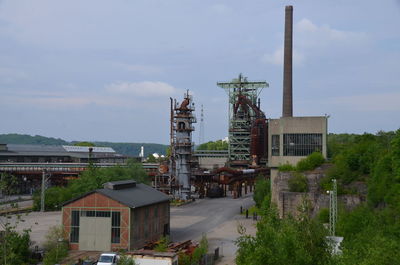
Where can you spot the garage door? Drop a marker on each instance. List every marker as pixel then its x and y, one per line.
pixel 95 233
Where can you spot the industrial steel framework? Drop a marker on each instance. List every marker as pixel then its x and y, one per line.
pixel 182 119
pixel 241 118
pixel 332 208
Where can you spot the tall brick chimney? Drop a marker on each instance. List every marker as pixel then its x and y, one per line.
pixel 287 107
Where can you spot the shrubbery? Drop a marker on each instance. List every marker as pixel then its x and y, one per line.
pixel 298 183
pixel 262 190
pixel 286 168
pixel 311 162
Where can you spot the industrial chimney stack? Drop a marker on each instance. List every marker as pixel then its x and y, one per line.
pixel 287 110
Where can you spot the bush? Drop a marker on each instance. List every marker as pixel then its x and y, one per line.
pixel 56 250
pixel 162 245
pixel 298 183
pixel 262 189
pixel 286 168
pixel 323 215
pixel 55 255
pixel 310 162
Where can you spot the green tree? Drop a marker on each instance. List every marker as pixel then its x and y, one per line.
pixel 262 190
pixel 284 241
pixel 84 143
pixel 214 145
pixel 89 180
pixel 15 247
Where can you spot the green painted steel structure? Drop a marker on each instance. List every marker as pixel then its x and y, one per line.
pixel 241 119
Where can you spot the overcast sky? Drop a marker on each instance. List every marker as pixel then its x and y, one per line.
pixel 105 69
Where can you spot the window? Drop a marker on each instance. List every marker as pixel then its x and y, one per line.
pixel 74 236
pixel 95 213
pixel 301 144
pixel 115 227
pixel 102 214
pixel 275 146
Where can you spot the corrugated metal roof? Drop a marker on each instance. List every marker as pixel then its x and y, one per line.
pixel 34 148
pixel 85 149
pixel 135 197
pixel 54 150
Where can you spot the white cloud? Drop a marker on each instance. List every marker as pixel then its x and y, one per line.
pixel 309 39
pixel 309 35
pixel 143 89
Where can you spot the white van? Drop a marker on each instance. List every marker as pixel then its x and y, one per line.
pixel 108 259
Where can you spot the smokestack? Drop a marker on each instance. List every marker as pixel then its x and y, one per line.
pixel 287 108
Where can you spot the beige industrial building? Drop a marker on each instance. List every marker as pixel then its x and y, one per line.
pixel 293 138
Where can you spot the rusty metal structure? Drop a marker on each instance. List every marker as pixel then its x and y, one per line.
pixel 182 119
pixel 247 122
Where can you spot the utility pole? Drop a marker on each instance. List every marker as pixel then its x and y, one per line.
pixel 42 197
pixel 333 208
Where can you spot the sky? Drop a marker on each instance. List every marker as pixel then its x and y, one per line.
pixel 102 70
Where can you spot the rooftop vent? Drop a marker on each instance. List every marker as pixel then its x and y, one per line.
pixel 120 185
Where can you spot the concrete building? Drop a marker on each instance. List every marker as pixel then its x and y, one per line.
pixel 122 215
pixel 293 138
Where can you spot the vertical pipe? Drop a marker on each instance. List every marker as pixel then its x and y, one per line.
pixel 43 191
pixel 287 108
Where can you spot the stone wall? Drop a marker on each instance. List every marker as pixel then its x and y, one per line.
pixel 289 203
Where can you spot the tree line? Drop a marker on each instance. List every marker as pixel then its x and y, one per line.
pixel 371 231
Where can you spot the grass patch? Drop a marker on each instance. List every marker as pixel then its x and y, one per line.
pixel 253 209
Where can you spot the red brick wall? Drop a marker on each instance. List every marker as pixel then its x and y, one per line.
pixel 99 202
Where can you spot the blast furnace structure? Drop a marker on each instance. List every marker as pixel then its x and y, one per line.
pixel 182 119
pixel 247 122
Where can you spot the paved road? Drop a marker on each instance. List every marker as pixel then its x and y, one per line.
pixel 192 220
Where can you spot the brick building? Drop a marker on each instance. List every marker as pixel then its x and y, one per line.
pixel 122 215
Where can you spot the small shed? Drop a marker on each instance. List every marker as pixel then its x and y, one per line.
pixel 122 215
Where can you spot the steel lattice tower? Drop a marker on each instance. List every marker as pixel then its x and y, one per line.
pixel 333 208
pixel 182 145
pixel 240 120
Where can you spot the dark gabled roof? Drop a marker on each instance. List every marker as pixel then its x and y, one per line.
pixel 135 197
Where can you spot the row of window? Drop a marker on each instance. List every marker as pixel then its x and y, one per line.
pixel 297 144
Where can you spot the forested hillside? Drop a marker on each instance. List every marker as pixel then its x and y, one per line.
pixel 371 231
pixel 13 138
pixel 130 149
